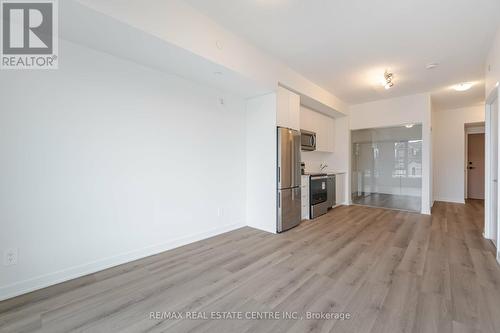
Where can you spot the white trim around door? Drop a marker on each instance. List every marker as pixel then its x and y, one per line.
pixel 492 204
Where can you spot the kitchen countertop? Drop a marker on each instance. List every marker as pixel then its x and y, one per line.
pixel 325 172
pixel 335 172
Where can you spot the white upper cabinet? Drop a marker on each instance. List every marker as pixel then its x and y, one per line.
pixel 322 125
pixel 294 111
pixel 288 109
pixel 282 115
pixel 291 114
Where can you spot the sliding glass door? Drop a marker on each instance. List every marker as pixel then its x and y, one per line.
pixel 387 167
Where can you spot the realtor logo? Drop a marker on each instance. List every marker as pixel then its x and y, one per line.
pixel 29 34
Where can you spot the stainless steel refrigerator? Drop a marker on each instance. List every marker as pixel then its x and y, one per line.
pixel 289 174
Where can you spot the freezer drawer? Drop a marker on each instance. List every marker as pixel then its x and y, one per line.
pixel 289 208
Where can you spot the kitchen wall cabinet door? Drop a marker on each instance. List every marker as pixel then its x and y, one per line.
pixel 330 132
pixel 288 109
pixel 321 133
pixel 282 113
pixel 294 111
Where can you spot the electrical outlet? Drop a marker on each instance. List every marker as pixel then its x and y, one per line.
pixel 10 257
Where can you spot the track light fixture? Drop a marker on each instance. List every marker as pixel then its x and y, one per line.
pixel 388 77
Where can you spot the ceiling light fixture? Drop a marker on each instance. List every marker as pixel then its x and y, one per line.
pixel 387 82
pixel 463 86
pixel 432 65
pixel 409 125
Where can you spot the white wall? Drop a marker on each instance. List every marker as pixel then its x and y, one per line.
pixel 104 161
pixel 433 152
pixel 449 151
pixel 390 112
pixel 493 65
pixel 342 153
pixel 261 148
pixel 400 111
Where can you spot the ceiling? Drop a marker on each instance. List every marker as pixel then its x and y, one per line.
pixel 345 46
pixel 153 52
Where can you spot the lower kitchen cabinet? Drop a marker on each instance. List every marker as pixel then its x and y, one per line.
pixel 340 190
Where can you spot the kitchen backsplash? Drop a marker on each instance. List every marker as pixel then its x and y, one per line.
pixel 314 159
pixel 313 166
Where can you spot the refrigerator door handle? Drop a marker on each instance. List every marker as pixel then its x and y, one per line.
pixel 279 200
pixel 296 158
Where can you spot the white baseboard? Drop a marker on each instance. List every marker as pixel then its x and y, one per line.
pixel 39 282
pixel 425 212
pixel 452 200
pixel 265 228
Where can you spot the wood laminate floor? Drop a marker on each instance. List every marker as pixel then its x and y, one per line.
pixel 392 271
pixel 392 201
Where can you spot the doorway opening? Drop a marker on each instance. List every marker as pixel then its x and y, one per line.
pixel 475 161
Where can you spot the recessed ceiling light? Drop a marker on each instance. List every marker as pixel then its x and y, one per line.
pixel 432 65
pixel 409 125
pixel 463 86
